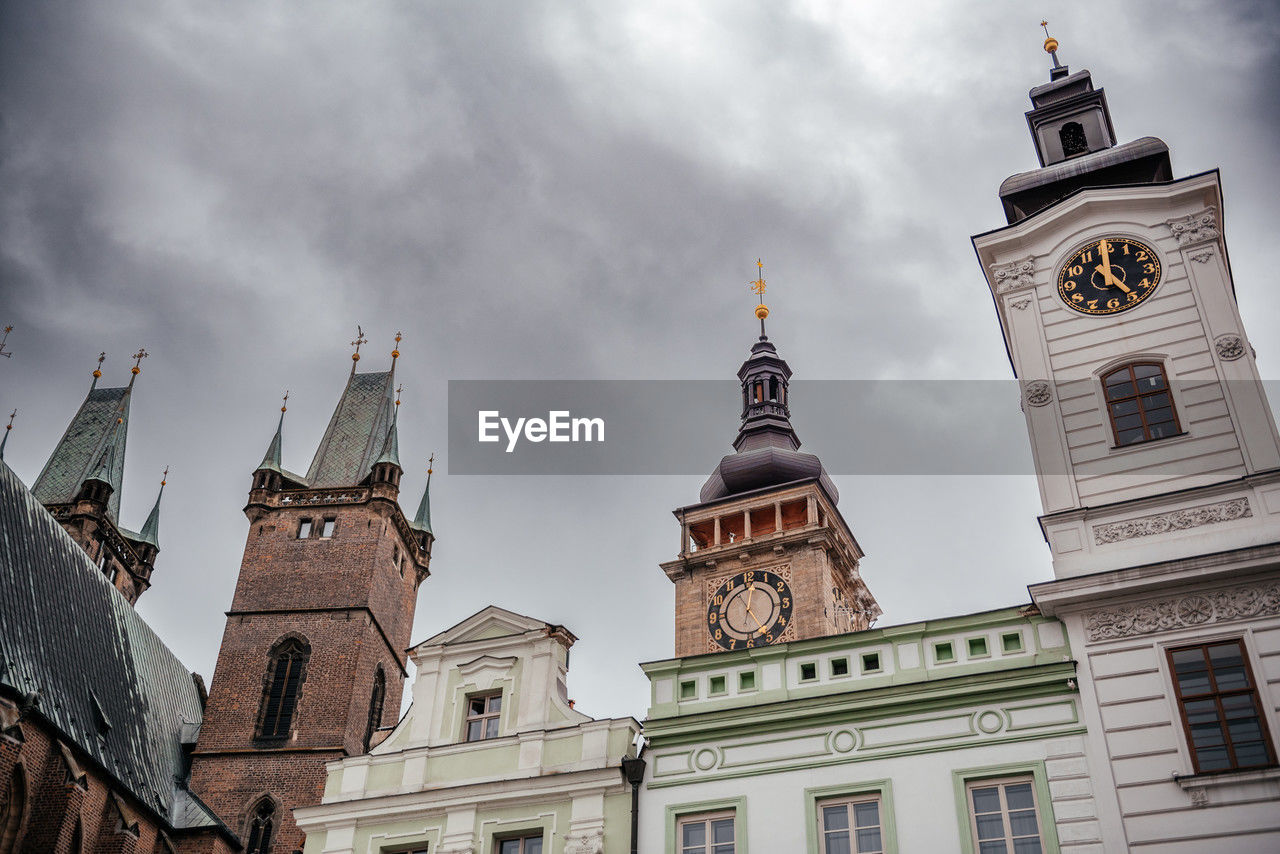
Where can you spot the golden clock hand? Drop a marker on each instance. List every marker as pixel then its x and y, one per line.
pixel 1105 267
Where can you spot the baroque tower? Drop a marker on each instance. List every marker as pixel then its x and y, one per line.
pixel 1158 464
pixel 765 555
pixel 80 486
pixel 313 656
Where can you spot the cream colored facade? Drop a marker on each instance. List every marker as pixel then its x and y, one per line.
pixel 548 771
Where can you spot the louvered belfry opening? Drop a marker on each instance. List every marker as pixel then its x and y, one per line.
pixel 288 669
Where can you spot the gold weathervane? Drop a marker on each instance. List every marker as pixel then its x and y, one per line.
pixel 395 352
pixel 1050 43
pixel 137 361
pixel 757 287
pixel 360 339
pixel 164 478
pixel 12 415
pixel 398 390
pixel 97 372
pixel 284 401
pixel 431 461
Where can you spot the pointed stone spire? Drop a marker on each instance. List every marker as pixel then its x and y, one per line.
pixel 8 427
pixel 271 459
pixel 422 520
pixel 391 445
pixel 357 430
pixel 150 533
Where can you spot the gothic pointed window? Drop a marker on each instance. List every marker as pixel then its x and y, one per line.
pixel 262 822
pixel 285 673
pixel 376 701
pixel 1073 140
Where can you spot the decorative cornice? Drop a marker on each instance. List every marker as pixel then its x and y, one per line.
pixel 1195 228
pixel 1178 612
pixel 1174 520
pixel 1037 393
pixel 1230 347
pixel 1015 275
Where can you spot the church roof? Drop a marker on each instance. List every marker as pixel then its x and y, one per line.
pixel 92 434
pixel 105 681
pixel 356 432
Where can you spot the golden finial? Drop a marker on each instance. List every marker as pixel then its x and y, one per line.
pixel 97 372
pixel 431 461
pixel 1050 43
pixel 395 353
pixel 398 390
pixel 757 287
pixel 3 351
pixel 12 415
pixel 360 339
pixel 284 402
pixel 137 361
pixel 164 478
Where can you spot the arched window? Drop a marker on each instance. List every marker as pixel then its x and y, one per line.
pixel 1139 403
pixel 284 682
pixel 1073 140
pixel 376 701
pixel 11 811
pixel 262 821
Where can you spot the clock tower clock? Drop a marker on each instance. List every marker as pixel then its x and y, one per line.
pixel 765 556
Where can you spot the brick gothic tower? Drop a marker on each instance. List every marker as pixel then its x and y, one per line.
pixel 765 556
pixel 80 487
pixel 313 655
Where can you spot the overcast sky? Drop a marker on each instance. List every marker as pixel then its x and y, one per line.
pixel 554 190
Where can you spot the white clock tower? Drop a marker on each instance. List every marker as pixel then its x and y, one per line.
pixel 1159 470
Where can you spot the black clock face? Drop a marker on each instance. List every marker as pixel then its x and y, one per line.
pixel 1108 276
pixel 750 609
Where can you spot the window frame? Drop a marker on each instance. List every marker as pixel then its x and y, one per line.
pixel 848 802
pixel 706 818
pixel 1175 695
pixel 1000 784
pixel 299 651
pixel 328 527
pixel 676 814
pixel 306 527
pixel 522 837
pixel 1130 363
pixel 1042 798
pixel 496 716
pixel 881 790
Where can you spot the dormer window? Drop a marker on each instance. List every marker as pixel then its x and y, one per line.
pixel 1140 404
pixel 483 711
pixel 1073 139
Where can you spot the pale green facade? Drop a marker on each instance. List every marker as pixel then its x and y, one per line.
pixel 546 771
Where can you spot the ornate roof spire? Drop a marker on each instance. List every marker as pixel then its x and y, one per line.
pixel 360 339
pixel 271 459
pixel 97 372
pixel 391 444
pixel 1051 48
pixel 422 520
pixel 757 287
pixel 151 528
pixel 7 428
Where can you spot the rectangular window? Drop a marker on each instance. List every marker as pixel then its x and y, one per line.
pixel 716 686
pixel 839 667
pixel 1011 642
pixel 304 529
pixel 871 662
pixel 483 711
pixel 747 680
pixel 977 647
pixel 851 826
pixel 327 530
pixel 707 834
pixel 943 652
pixel 523 845
pixel 688 690
pixel 808 671
pixel 1002 816
pixel 1219 705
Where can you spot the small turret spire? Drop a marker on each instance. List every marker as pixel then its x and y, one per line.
pixel 271 459
pixel 391 444
pixel 422 520
pixel 150 533
pixel 7 428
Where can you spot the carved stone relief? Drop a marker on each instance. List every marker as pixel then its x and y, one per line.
pixel 1014 275
pixel 585 843
pixel 1203 256
pixel 1021 304
pixel 1229 347
pixel 1038 393
pixel 1178 612
pixel 1175 520
pixel 1196 228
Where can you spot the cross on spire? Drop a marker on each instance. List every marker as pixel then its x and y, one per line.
pixel 395 352
pixel 757 287
pixel 137 360
pixel 431 461
pixel 399 389
pixel 284 401
pixel 3 351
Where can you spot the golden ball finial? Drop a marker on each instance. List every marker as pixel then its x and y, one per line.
pixel 97 374
pixel 355 357
pixel 135 370
pixel 395 354
pixel 1050 44
pixel 762 311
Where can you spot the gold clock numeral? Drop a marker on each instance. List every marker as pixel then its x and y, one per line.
pixel 1069 285
pixel 1113 303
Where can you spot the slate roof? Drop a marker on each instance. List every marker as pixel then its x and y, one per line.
pixel 69 635
pixel 356 432
pixel 81 449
